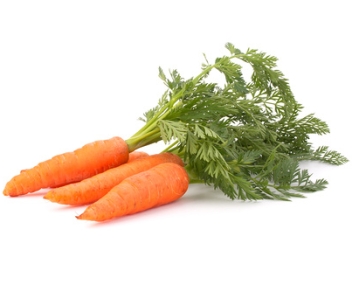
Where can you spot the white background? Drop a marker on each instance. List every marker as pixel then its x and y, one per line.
pixel 72 72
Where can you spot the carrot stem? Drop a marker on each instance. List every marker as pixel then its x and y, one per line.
pixel 136 142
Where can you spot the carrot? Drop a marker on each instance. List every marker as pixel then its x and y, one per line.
pixel 136 155
pixel 89 160
pixel 157 186
pixel 93 188
pixel 132 156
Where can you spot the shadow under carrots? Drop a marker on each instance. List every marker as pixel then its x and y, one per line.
pixel 200 193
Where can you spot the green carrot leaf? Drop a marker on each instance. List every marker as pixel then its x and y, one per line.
pixel 244 137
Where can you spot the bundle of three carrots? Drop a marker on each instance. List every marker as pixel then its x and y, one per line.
pixel 107 176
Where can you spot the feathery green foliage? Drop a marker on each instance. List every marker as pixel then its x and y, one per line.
pixel 245 138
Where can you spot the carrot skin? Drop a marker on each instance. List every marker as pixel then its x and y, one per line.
pixel 136 155
pixel 89 160
pixel 157 186
pixel 92 189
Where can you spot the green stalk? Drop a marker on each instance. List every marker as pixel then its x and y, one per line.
pixel 144 139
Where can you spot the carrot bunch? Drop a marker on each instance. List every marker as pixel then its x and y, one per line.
pixel 244 138
pixel 132 183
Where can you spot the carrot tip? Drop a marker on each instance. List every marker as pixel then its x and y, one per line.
pixel 81 217
pixel 48 196
pixel 88 215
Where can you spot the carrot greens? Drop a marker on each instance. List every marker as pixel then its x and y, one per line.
pixel 244 138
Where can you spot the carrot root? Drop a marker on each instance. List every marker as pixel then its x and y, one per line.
pixel 89 160
pixel 157 186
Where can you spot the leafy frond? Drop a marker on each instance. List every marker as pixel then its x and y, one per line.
pixel 244 138
pixel 323 154
pixel 170 130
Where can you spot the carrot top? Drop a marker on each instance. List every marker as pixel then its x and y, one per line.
pixel 245 138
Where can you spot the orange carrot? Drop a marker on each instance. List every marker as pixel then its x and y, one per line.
pixel 136 155
pixel 132 156
pixel 157 186
pixel 92 189
pixel 89 160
